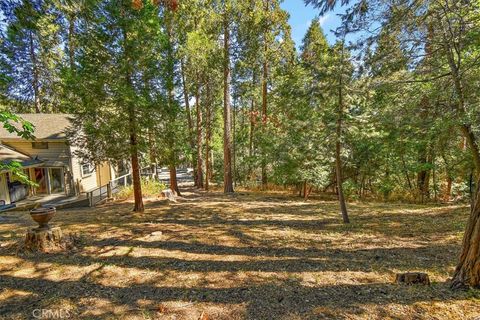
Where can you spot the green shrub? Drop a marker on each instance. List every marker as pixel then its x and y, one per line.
pixel 149 188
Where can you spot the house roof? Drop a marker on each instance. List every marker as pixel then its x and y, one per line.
pixel 8 155
pixel 47 126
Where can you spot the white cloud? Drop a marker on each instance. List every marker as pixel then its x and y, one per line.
pixel 324 19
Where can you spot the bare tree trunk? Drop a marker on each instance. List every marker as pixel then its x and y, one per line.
pixel 170 84
pixel 153 155
pixel 208 138
pixel 227 148
pixel 434 179
pixel 234 145
pixel 407 176
pixel 264 99
pixel 35 81
pixel 338 150
pixel 137 186
pixel 467 272
pixel 207 165
pixel 191 134
pixel 338 169
pixel 473 144
pixel 309 192
pixel 448 191
pixel 173 180
pixel 252 128
pixel 132 127
pixel 199 138
pixel 71 45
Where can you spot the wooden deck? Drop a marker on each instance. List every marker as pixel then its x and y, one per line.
pixel 58 200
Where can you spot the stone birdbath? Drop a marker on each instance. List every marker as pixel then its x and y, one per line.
pixel 42 216
pixel 44 237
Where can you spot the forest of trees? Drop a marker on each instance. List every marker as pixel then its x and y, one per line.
pixel 390 111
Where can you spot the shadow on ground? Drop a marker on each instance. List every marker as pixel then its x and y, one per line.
pixel 249 256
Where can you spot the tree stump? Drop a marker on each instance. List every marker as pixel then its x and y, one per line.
pixel 412 278
pixel 169 194
pixel 44 240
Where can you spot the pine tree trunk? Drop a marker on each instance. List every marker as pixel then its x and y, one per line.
pixel 252 128
pixel 153 155
pixel 71 45
pixel 208 138
pixel 234 173
pixel 227 147
pixel 199 178
pixel 132 127
pixel 35 82
pixel 467 272
pixel 173 180
pixel 191 134
pixel 207 165
pixel 170 86
pixel 448 191
pixel 338 150
pixel 338 169
pixel 264 100
pixel 137 186
pixel 423 177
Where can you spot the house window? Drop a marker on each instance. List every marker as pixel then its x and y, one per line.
pixel 87 169
pixel 39 145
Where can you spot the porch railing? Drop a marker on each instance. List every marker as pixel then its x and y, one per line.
pixel 102 193
pixel 118 183
pixel 99 194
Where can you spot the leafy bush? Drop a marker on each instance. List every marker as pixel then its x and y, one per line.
pixel 149 188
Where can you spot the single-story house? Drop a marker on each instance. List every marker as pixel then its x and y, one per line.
pixel 49 161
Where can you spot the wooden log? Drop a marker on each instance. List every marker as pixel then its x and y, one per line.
pixel 44 240
pixel 412 278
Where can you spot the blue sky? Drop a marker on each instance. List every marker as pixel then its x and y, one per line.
pixel 301 16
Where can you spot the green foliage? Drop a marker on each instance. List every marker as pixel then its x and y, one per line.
pixel 117 69
pixel 15 124
pixel 30 55
pixel 406 86
pixel 150 188
pixel 24 129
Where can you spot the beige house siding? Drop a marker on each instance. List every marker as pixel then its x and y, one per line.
pixel 104 173
pixel 4 193
pixel 82 182
pixel 57 151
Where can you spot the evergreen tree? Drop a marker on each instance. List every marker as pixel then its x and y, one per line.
pixel 30 55
pixel 118 69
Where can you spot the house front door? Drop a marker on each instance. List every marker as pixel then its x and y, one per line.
pixel 57 180
pixel 41 180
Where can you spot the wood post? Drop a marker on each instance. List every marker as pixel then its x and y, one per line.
pixel 109 190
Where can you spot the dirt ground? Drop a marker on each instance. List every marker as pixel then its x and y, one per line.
pixel 248 256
